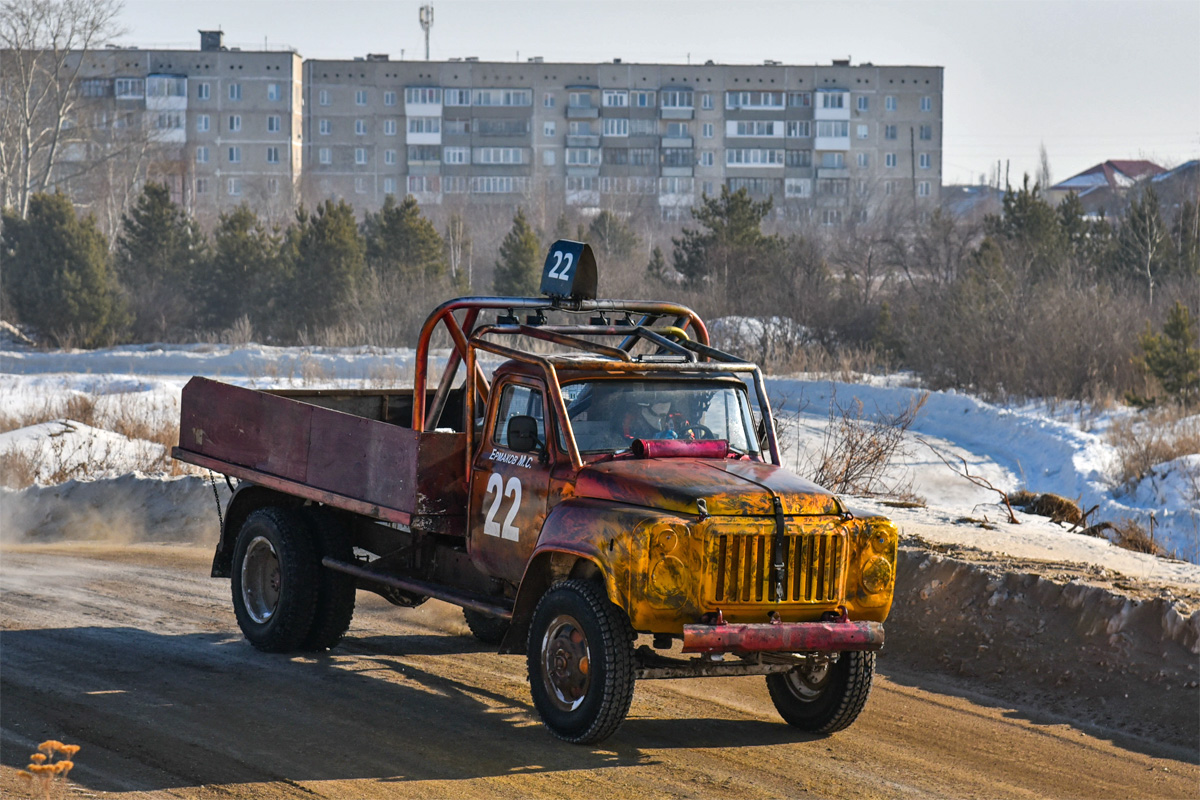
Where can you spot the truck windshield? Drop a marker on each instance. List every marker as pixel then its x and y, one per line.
pixel 607 415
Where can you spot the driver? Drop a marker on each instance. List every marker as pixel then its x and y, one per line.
pixel 646 420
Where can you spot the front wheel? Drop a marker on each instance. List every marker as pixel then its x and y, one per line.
pixel 580 657
pixel 825 697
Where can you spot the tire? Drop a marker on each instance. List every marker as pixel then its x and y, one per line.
pixel 574 621
pixel 274 579
pixel 824 701
pixel 335 590
pixel 485 627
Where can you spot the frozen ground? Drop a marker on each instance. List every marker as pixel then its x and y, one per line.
pixel 1032 447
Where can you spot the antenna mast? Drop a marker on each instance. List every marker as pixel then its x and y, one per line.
pixel 426 17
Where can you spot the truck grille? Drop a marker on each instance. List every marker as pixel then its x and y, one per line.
pixel 814 563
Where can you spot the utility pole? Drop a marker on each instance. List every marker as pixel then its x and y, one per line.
pixel 426 18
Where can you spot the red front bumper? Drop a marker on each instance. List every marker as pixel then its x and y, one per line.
pixel 783 637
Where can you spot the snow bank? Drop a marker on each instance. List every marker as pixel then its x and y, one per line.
pixel 67 448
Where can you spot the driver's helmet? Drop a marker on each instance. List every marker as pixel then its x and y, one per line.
pixel 655 414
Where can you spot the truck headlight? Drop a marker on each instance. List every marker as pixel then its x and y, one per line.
pixel 877 575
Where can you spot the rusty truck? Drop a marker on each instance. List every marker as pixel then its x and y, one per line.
pixel 590 474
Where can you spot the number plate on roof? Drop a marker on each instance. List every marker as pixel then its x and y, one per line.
pixel 570 271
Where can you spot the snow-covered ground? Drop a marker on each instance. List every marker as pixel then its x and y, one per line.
pixel 1033 446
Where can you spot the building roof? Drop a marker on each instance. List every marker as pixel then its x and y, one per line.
pixel 1109 175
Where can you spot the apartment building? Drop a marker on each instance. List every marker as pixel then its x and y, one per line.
pixel 831 142
pixel 219 126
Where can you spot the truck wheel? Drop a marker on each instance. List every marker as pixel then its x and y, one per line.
pixel 335 590
pixel 580 658
pixel 485 627
pixel 826 698
pixel 275 576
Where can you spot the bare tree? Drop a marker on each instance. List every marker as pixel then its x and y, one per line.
pixel 1043 173
pixel 42 45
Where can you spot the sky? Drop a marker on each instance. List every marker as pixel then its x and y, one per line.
pixel 1090 79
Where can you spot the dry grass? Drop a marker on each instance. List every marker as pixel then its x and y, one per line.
pixel 857 449
pixel 1156 437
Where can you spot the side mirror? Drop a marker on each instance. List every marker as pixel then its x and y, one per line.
pixel 522 434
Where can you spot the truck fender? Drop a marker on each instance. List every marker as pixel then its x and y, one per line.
pixel 547 566
pixel 247 498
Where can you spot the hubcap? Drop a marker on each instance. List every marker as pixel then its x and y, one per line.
pixel 807 683
pixel 566 662
pixel 260 580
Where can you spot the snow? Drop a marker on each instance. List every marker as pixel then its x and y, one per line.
pixel 67 448
pixel 1034 446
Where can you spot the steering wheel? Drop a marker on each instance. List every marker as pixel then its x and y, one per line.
pixel 699 432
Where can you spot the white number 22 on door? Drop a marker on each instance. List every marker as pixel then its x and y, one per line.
pixel 501 489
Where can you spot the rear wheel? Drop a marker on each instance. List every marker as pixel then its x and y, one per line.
pixel 826 697
pixel 274 579
pixel 335 590
pixel 580 657
pixel 485 627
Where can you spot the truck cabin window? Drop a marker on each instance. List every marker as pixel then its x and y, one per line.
pixel 517 400
pixel 607 415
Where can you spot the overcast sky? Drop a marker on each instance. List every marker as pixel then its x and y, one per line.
pixel 1092 79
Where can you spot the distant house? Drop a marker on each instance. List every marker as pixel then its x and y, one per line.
pixel 1179 185
pixel 1102 188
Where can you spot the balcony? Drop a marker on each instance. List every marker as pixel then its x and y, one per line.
pixel 583 141
pixel 831 104
pixel 677 172
pixel 583 112
pixel 833 172
pixel 831 143
pixel 575 171
pixel 677 141
pixel 677 113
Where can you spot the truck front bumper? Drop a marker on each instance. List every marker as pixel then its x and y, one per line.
pixel 783 637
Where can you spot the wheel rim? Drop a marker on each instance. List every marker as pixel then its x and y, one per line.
pixel 807 683
pixel 566 662
pixel 260 580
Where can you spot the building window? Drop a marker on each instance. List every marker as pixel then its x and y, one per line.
pixel 235 93
pixel 389 99
pixel 360 155
pixel 457 127
pixel 641 99
pixel 272 155
pixel 706 101
pixel 424 124
pixel 503 97
pixel 201 185
pixel 926 132
pixel 273 185
pixel 456 155
pixel 707 188
pixel 129 88
pixel 887 187
pixel 752 156
pixel 456 97
pixel 797 187
pixel 417 95
pixel 202 123
pixel 234 186
pixel 833 128
pixel 579 100
pixel 889 159
pixel 706 158
pixel 389 185
pixel 643 156
pixel 751 128
pixel 799 99
pixel 324 127
pixel 325 155
pixel 924 161
pixel 863 102
pixel 615 155
pixel 889 103
pixel 162 86
pixel 799 158
pixel 833 160
pixel 927 103
pixel 923 189
pixel 203 91
pixel 754 99
pixel 360 127
pixel 360 97
pixel 360 185
pixel 548 128
pixel 389 127
pixel 548 158
pixel 889 131
pixel 235 155
pixel 616 126
pixel 548 100
pixel 833 99
pixel 97 87
pixel 235 123
pixel 831 216
pixel 389 157
pixel 678 130
pixel 424 154
pixel 323 97
pixel 676 99
pixel 864 160
pixel 798 129
pixel 612 98
pixel 582 157
pixel 273 123
pixel 499 155
pixel 864 131
pixel 273 92
pixel 201 155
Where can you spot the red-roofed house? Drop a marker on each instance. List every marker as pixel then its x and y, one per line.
pixel 1103 186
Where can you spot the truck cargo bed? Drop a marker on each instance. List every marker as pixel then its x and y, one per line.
pixel 350 449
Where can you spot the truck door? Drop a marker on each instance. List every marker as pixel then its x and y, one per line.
pixel 509 488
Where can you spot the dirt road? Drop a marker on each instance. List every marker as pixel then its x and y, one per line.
pixel 134 654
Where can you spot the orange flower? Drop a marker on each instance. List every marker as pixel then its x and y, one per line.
pixel 37 758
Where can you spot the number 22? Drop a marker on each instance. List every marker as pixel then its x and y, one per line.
pixel 562 266
pixel 512 489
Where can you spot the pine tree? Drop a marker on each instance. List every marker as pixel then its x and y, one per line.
pixel 1173 356
pixel 242 278
pixel 57 270
pixel 731 241
pixel 657 268
pixel 612 237
pixel 1029 232
pixel 401 242
pixel 519 269
pixel 159 253
pixel 325 260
